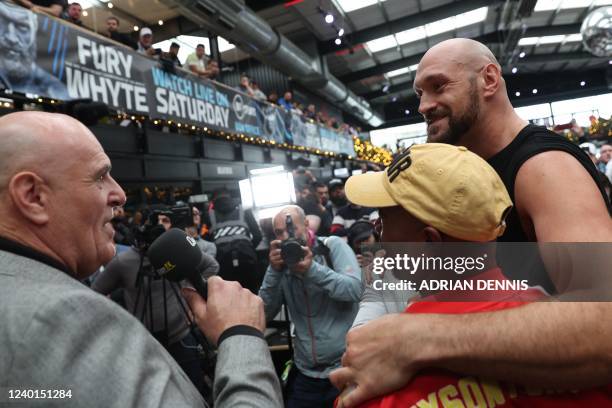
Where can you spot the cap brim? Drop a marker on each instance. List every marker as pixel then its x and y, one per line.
pixel 368 190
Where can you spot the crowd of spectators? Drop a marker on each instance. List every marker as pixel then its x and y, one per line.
pixel 286 102
pixel 197 62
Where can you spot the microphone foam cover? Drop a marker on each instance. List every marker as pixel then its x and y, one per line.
pixel 176 253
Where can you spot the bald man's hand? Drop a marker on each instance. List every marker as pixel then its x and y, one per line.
pixel 276 260
pixel 380 358
pixel 304 265
pixel 228 305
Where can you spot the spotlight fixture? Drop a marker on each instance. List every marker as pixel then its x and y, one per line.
pixel 110 5
pixel 522 54
pixel 582 83
pixel 341 32
pixel 517 93
pixel 160 22
pixel 407 112
pixel 329 18
pixel 338 41
pixel 85 14
pixel 136 28
pixel 534 91
pixel 394 99
pixel 514 70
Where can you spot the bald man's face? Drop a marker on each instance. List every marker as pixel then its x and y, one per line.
pixel 84 194
pixel 60 195
pixel 449 100
pixel 300 227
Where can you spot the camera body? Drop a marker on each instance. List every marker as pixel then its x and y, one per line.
pixel 180 217
pixel 291 249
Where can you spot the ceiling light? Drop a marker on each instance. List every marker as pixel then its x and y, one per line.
pixel 458 21
pixel 412 35
pixel 413 67
pixel 528 41
pixel 534 91
pixel 582 83
pixel 351 5
pixel 110 5
pixel 382 43
pixel 398 72
pixel 338 41
pixel 85 14
pixel 136 28
pixel 573 37
pixel 329 18
pixel 160 22
pixel 428 30
pixel 517 93
pixel 550 39
pixel 394 99
pixel 407 112
pixel 522 54
pixel 341 32
pixel 514 70
pixel 545 5
pixel 385 88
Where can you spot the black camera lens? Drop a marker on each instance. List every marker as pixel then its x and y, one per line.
pixel 291 251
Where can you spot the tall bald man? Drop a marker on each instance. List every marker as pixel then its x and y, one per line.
pixel 56 203
pixel 557 197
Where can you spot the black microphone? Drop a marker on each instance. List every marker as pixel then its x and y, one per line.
pixel 178 257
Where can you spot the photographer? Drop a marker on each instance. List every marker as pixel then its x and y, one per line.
pixel 321 283
pixel 152 299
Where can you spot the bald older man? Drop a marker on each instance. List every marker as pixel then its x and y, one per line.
pixel 558 198
pixel 56 203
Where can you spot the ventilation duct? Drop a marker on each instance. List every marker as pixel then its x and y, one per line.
pixel 240 25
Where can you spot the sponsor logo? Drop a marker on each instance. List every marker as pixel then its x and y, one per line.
pixel 242 109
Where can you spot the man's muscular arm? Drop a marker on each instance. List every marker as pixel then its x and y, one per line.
pixel 556 345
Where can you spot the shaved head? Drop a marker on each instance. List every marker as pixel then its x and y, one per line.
pixel 464 52
pixel 35 141
pixel 459 83
pixel 56 192
pixel 300 223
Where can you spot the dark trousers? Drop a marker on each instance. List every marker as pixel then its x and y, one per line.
pixel 186 354
pixel 307 392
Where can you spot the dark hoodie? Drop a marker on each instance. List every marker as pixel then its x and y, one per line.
pixel 226 209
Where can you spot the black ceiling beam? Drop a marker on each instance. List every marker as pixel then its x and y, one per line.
pixel 541 31
pixel 568 56
pixel 400 118
pixel 258 5
pixel 510 79
pixel 380 69
pixel 406 23
pixel 485 39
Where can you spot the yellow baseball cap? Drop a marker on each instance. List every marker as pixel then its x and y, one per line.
pixel 445 186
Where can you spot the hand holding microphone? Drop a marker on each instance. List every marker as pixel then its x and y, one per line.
pixel 227 306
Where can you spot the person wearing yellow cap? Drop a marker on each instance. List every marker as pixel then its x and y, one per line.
pixel 454 195
pixel 442 193
pixel 557 198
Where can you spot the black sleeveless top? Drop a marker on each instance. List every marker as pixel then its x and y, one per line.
pixel 524 262
pixel 531 141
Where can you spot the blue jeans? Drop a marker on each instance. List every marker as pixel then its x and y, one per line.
pixel 308 392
